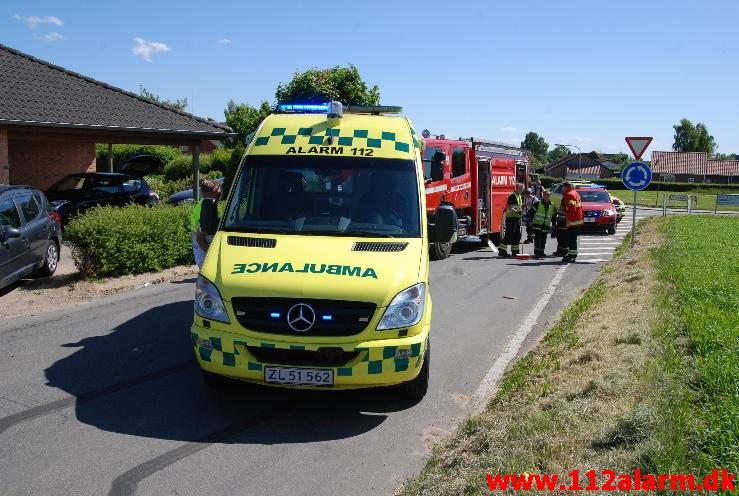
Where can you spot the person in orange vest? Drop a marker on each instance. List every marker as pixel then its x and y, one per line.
pixel 572 207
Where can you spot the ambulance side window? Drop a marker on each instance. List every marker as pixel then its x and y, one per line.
pixel 459 161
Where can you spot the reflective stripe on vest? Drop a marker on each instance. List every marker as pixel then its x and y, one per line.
pixel 513 214
pixel 542 217
pixel 195 216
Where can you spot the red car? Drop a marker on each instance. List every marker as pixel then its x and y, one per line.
pixel 597 209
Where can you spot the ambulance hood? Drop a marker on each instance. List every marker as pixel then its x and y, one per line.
pixel 322 267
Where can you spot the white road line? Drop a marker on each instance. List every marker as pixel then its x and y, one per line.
pixel 489 383
pixel 584 252
pixel 592 260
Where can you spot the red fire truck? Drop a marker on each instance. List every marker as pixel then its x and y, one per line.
pixel 475 177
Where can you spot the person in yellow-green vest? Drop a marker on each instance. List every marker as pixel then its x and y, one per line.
pixel 542 214
pixel 201 239
pixel 513 214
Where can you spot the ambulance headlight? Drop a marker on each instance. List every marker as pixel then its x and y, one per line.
pixel 405 310
pixel 208 302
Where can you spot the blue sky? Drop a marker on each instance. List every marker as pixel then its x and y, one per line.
pixel 579 72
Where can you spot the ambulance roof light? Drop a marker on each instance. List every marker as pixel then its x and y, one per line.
pixel 373 109
pixel 303 107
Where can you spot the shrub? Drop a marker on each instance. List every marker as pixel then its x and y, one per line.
pixel 219 160
pixel 109 241
pixel 181 167
pixel 121 153
pixel 165 188
pixel 232 167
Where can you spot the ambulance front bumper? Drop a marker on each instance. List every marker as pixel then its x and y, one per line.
pixel 361 364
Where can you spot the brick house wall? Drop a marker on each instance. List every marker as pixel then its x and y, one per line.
pixel 42 163
pixel 4 163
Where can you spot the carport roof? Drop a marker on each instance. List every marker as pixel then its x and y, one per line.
pixel 37 93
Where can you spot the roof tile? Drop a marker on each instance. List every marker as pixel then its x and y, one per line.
pixel 34 91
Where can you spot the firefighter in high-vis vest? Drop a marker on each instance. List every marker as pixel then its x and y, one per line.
pixel 201 239
pixel 572 207
pixel 513 214
pixel 542 214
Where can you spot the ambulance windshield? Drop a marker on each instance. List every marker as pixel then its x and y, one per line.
pixel 326 196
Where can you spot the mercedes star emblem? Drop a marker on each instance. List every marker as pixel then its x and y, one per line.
pixel 301 317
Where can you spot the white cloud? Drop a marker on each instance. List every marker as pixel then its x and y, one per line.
pixel 145 49
pixel 224 41
pixel 34 21
pixel 53 36
pixel 508 129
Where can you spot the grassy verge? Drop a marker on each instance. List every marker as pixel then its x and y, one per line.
pixel 640 372
pixel 706 200
pixel 699 303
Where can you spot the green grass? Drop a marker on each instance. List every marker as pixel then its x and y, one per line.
pixel 699 269
pixel 561 338
pixel 706 200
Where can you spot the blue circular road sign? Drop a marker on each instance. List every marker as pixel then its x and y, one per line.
pixel 636 176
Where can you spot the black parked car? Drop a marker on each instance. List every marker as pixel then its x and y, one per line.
pixel 30 234
pixel 77 193
pixel 186 196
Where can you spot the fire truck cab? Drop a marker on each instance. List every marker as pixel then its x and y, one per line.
pixel 475 177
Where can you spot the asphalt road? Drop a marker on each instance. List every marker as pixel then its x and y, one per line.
pixel 107 398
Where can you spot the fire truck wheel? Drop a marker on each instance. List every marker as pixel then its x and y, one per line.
pixel 418 387
pixel 440 251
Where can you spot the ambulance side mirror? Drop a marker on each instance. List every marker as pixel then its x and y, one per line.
pixel 445 225
pixel 209 217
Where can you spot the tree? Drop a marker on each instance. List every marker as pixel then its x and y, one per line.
pixel 693 138
pixel 558 152
pixel 180 105
pixel 244 119
pixel 538 149
pixel 621 159
pixel 726 156
pixel 343 84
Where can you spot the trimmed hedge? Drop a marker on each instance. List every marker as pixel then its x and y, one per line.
pixel 165 188
pixel 121 153
pixel 181 167
pixel 615 183
pixel 110 241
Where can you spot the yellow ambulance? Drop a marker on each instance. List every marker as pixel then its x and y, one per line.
pixel 318 275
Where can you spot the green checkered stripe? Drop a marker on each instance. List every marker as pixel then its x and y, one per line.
pixel 358 137
pixel 377 360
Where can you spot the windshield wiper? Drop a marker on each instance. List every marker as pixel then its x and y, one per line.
pixel 365 234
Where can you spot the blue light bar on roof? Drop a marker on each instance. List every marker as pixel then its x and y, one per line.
pixel 303 107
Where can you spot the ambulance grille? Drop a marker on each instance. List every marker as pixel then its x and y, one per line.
pixel 332 317
pixel 252 242
pixel 378 246
pixel 323 357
